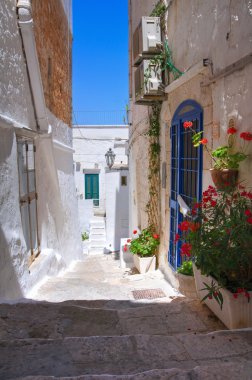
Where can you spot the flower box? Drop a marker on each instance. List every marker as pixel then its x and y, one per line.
pixel 145 264
pixel 235 313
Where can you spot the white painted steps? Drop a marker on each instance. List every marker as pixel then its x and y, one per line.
pixel 97 236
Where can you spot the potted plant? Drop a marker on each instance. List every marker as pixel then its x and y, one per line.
pixel 219 241
pixel 85 242
pixel 226 158
pixel 186 280
pixel 143 246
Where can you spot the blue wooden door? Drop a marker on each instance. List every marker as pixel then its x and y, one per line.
pixel 186 169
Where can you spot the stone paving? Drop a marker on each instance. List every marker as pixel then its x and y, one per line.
pixel 86 324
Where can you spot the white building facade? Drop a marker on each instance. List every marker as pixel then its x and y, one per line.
pixel 100 190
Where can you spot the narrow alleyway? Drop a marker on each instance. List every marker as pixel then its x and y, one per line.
pixel 88 325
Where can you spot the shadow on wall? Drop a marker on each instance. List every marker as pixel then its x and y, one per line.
pixel 9 286
pixel 57 203
pixel 11 246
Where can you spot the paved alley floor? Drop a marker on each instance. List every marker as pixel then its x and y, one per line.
pixel 86 324
pixel 100 277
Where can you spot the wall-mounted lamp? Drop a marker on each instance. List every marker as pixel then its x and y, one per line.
pixel 110 158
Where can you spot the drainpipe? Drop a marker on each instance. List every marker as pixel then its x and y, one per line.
pixel 25 22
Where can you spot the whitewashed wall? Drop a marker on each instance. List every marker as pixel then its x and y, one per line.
pixel 15 97
pixel 59 231
pixel 117 208
pixel 90 144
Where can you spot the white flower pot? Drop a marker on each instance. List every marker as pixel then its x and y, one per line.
pixel 187 285
pixel 145 264
pixel 235 313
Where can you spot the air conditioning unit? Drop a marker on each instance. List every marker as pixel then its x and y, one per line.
pixel 146 39
pixel 148 80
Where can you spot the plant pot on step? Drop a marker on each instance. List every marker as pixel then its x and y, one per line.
pixel 235 313
pixel 225 179
pixel 187 285
pixel 145 264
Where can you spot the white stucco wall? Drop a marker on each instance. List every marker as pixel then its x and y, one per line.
pixel 117 208
pixel 90 144
pixel 16 103
pixel 59 231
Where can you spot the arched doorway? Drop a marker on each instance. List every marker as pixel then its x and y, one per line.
pixel 186 169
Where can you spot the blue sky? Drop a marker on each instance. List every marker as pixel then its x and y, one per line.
pixel 100 60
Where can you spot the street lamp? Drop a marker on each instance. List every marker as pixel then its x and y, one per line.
pixel 110 158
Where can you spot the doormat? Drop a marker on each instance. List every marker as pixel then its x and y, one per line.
pixel 148 294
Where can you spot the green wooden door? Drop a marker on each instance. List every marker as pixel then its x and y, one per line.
pixel 92 186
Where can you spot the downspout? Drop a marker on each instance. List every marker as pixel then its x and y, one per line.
pixel 25 22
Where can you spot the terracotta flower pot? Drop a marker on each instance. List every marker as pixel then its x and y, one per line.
pixel 224 179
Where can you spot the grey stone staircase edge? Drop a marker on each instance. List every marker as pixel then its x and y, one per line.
pixel 220 371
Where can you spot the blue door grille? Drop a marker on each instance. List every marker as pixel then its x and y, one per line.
pixel 186 170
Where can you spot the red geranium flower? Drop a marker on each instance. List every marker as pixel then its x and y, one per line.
pixel 249 220
pixel 246 136
pixel 184 226
pixel 194 226
pixel 177 237
pixel 186 249
pixel 248 213
pixel 134 232
pixel 213 203
pixel 156 236
pixel 125 248
pixel 129 241
pixel 231 131
pixel 187 124
pixel 203 141
pixel 197 205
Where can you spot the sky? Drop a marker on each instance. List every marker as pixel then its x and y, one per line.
pixel 100 61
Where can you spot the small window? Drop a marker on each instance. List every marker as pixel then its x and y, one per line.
pixel 123 180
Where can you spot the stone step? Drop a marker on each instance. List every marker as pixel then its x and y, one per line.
pixel 87 318
pixel 96 250
pixel 97 219
pixel 97 230
pixel 219 371
pixel 99 222
pixel 126 355
pixel 98 236
pixel 98 240
pixel 97 244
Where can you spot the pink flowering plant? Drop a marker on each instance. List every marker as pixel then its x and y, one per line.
pixel 219 240
pixel 145 243
pixel 226 156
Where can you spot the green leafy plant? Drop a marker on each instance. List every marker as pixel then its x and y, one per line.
pixel 84 236
pixel 164 62
pixel 159 9
pixel 219 239
pixel 154 159
pixel 145 243
pixel 186 268
pixel 213 291
pixel 226 156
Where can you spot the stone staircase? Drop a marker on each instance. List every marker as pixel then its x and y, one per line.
pixel 89 340
pixel 97 236
pixel 108 335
